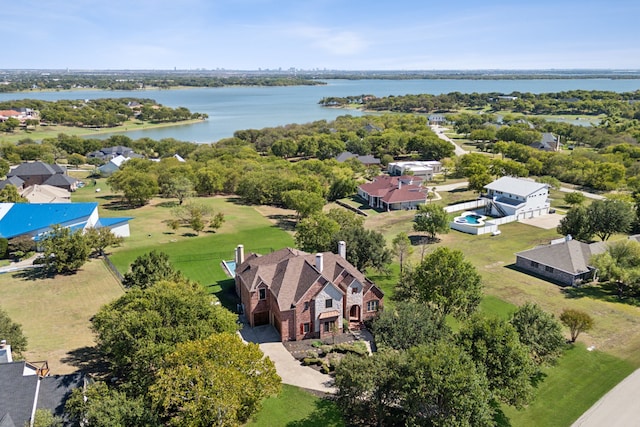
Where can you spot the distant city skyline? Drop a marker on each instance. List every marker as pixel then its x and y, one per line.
pixel 320 34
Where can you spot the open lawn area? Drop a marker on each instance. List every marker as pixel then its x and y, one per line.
pixel 295 407
pixel 54 313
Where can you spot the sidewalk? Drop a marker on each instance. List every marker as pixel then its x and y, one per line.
pixel 20 265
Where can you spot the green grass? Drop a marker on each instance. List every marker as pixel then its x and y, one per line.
pixel 294 407
pixel 571 387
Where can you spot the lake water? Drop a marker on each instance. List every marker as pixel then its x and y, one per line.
pixel 236 108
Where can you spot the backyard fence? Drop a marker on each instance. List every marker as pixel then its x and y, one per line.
pixel 112 268
pixel 466 206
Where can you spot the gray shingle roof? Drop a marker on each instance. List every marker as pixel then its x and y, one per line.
pixel 572 257
pixel 34 168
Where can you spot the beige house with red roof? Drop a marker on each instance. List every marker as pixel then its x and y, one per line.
pixel 394 192
pixel 304 295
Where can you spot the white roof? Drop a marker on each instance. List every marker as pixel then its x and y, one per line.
pixel 516 186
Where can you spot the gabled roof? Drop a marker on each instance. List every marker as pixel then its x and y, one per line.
pixel 46 194
pixel 27 218
pixel 35 168
pixel 13 180
pixel 571 256
pixel 366 159
pixel 58 180
pixel 548 142
pixel 396 189
pixel 290 273
pixel 516 186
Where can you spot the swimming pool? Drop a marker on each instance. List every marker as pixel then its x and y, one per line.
pixel 470 218
pixel 230 267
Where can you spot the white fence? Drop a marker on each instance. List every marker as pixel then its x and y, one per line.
pixel 466 206
pixel 491 226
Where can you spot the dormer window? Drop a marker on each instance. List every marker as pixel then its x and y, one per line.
pixel 262 293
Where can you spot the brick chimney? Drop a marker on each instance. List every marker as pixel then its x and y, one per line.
pixel 239 255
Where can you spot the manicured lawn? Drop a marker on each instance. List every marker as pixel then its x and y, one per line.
pixel 570 388
pixel 296 407
pixel 54 313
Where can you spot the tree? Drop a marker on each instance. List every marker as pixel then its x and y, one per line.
pixel 217 380
pixel 150 268
pixel 195 215
pixel 620 264
pixel 9 194
pixel 610 216
pixel 574 198
pixel 216 221
pixel 12 332
pixel 304 203
pixel 577 321
pixel 101 238
pixel 20 246
pixel 447 283
pixel 64 251
pixel 496 348
pixel 136 331
pixel 477 181
pixel 577 224
pixel 431 219
pixel 365 248
pixel 4 167
pixel 402 248
pixel 315 233
pixel 44 418
pixel 138 187
pixel 407 325
pixel 540 331
pixel 178 186
pixel 101 406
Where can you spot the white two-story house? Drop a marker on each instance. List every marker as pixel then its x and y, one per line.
pixel 521 198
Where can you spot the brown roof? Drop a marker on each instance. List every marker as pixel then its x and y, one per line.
pixel 290 273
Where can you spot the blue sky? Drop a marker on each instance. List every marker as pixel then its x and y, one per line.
pixel 320 34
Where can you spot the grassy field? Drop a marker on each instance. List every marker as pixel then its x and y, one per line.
pixel 55 313
pixel 295 407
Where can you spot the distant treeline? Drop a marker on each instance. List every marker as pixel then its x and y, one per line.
pixel 582 102
pixel 107 112
pixel 14 82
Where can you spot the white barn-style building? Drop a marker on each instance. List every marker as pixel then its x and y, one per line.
pixel 519 197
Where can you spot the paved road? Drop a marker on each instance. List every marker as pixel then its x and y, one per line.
pixel 618 408
pixel 439 130
pixel 289 369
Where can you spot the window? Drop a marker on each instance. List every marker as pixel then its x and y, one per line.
pixel 328 303
pixel 305 328
pixel 354 290
pixel 262 293
pixel 548 269
pixel 372 305
pixel 306 305
pixel 328 326
pixel 534 264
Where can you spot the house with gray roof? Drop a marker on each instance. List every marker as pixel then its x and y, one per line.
pixel 304 295
pixel 366 160
pixel 566 262
pixel 39 173
pixel 548 142
pixel 522 198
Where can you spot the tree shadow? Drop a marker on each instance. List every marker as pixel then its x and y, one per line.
pixel 285 222
pixel 88 360
pixel 326 413
pixel 167 204
pixel 499 417
pixel 36 273
pixel 118 205
pixel 420 239
pixel 605 292
pixel 189 235
pixel 226 294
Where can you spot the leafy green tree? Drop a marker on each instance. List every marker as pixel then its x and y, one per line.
pixel 149 269
pixel 303 202
pixel 620 264
pixel 496 348
pixel 216 221
pixel 342 187
pixel 407 325
pixel 137 187
pixel 178 186
pixel 610 216
pixel 101 238
pixel 9 194
pixel 4 247
pixel 194 215
pixel 577 321
pixel 20 246
pixel 447 283
pixel 101 406
pixel 574 198
pixel 44 418
pixel 540 331
pixel 365 248
pixel 76 159
pixel 136 331
pixel 577 223
pixel 315 233
pixel 64 251
pixel 402 249
pixel 4 167
pixel 477 181
pixel 12 332
pixel 217 380
pixel 431 219
pixel 445 388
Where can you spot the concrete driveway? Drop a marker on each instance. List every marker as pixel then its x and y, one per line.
pixel 289 369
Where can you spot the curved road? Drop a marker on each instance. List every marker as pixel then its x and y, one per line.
pixel 439 130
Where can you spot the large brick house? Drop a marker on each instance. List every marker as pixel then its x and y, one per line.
pixel 304 295
pixel 394 192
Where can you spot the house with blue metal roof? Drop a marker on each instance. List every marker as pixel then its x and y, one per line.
pixel 37 219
